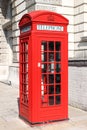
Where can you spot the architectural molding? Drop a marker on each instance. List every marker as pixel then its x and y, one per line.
pixel 49 2
pixel 84 39
pixel 7 24
pixel 77 62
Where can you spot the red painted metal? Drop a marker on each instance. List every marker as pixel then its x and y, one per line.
pixel 43 67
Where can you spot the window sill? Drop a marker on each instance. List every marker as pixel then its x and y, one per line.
pixel 84 39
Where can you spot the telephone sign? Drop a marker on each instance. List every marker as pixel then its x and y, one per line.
pixel 25 29
pixel 50 28
pixel 43 67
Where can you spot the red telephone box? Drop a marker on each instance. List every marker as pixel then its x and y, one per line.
pixel 43 67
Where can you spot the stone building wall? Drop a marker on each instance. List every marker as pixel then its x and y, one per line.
pixel 5 50
pixel 80 29
pixel 78 64
pixel 78 86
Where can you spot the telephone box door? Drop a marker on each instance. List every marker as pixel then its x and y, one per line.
pixel 52 79
pixel 24 108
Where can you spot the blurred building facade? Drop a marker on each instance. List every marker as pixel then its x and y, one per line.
pixel 76 12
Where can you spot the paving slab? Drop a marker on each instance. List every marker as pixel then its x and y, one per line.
pixel 9 119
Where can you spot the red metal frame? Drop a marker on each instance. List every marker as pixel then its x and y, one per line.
pixel 44 52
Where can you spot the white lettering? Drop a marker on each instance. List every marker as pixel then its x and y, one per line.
pixel 50 28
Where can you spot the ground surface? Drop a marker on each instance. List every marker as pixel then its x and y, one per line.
pixel 9 119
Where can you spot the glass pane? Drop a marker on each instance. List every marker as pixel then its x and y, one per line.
pixel 45 98
pixel 58 78
pixel 26 57
pixel 57 67
pixel 57 56
pixel 26 87
pixel 44 46
pixel 44 68
pixel 51 78
pixel 51 100
pixel 51 67
pixel 26 47
pixel 58 100
pixel 51 45
pixel 44 57
pixel 51 89
pixel 57 89
pixel 25 68
pixel 44 79
pixel 44 89
pixel 25 78
pixel 51 56
pixel 57 46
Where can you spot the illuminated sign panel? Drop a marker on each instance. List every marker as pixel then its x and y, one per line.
pixel 50 28
pixel 26 29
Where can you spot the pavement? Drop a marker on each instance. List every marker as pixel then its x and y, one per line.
pixel 9 119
